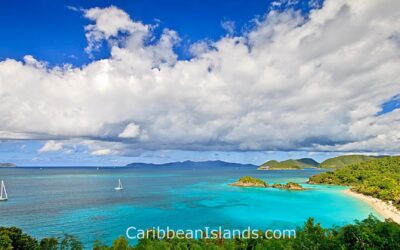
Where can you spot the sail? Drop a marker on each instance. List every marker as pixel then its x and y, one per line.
pixel 119 187
pixel 3 192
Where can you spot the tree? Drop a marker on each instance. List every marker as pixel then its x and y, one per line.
pixel 5 242
pixel 49 244
pixel 70 242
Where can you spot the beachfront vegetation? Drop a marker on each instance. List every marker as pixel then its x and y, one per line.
pixel 289 164
pixel 379 178
pixel 367 234
pixel 344 160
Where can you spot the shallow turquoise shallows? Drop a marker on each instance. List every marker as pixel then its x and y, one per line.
pixel 83 202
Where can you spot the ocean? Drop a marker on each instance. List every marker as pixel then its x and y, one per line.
pixel 82 201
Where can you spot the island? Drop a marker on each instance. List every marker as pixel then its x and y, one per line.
pixel 7 165
pixel 248 181
pixel 288 186
pixel 291 164
pixel 375 181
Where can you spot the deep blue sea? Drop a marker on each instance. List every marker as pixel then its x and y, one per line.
pixel 83 202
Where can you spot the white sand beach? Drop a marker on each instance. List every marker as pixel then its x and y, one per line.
pixel 385 209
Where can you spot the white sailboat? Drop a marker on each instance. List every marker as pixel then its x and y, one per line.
pixel 119 185
pixel 3 192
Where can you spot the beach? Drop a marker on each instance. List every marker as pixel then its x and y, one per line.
pixel 385 209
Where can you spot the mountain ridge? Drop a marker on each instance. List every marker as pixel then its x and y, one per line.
pixel 189 163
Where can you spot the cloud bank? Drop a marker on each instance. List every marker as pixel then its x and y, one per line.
pixel 290 83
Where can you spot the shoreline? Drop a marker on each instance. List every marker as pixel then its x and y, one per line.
pixel 384 209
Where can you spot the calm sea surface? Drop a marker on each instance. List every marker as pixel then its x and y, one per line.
pixel 83 202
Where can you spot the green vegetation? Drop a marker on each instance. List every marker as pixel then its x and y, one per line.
pixel 379 178
pixel 12 238
pixel 332 163
pixel 248 181
pixel 293 186
pixel 345 160
pixel 289 164
pixel 288 186
pixel 367 234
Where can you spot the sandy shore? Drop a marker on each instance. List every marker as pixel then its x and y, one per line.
pixel 383 208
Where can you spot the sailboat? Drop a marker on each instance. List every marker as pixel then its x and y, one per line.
pixel 119 185
pixel 3 192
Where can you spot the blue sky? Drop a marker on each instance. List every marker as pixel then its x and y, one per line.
pixel 55 34
pixel 52 32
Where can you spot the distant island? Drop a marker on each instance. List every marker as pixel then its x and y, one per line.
pixel 248 181
pixel 331 163
pixel 7 165
pixel 192 164
pixel 291 164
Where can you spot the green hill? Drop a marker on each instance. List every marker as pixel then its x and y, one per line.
pixel 345 160
pixel 379 177
pixel 289 164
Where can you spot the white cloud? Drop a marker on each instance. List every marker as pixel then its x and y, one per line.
pixel 101 152
pixel 51 146
pixel 109 23
pixel 291 83
pixel 131 131
pixel 228 26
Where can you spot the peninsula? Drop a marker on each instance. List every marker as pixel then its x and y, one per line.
pixel 376 181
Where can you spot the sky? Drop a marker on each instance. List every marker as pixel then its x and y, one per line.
pixel 112 82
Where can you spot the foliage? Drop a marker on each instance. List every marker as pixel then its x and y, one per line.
pixel 12 238
pixel 367 234
pixel 293 186
pixel 344 160
pixel 49 244
pixel 379 178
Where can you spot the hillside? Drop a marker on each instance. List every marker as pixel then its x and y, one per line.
pixel 379 178
pixel 289 164
pixel 344 160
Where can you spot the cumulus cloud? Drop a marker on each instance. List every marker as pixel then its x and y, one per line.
pixel 290 83
pixel 130 131
pixel 109 23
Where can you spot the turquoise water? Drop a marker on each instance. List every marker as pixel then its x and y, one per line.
pixel 83 202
